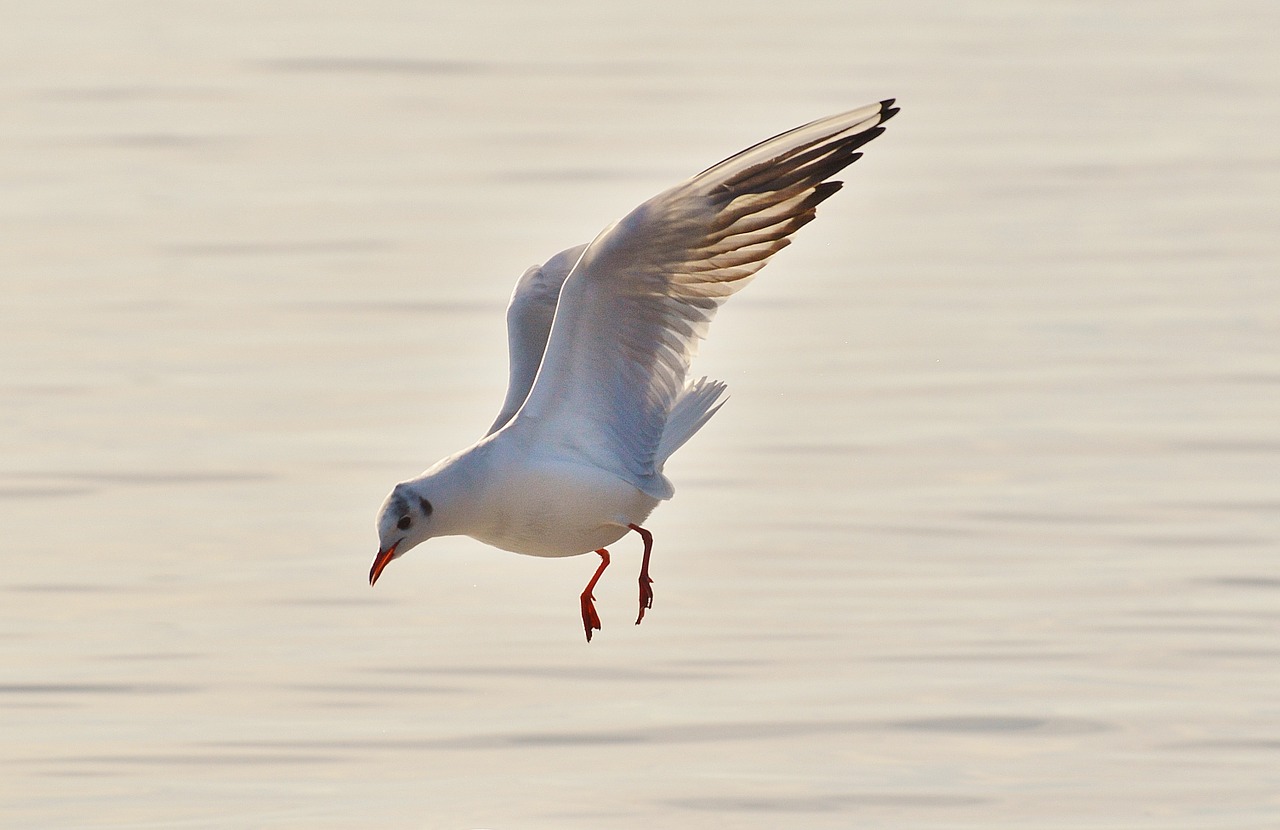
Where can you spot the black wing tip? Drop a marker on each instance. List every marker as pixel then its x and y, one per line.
pixel 867 136
pixel 887 109
pixel 823 192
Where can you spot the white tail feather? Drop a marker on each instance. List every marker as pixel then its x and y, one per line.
pixel 697 403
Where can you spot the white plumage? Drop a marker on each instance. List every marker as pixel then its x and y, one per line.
pixel 601 339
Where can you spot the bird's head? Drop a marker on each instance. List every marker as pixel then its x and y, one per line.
pixel 403 523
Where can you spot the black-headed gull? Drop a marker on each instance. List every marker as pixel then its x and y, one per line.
pixel 601 338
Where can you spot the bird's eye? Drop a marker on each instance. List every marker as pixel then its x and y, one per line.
pixel 404 522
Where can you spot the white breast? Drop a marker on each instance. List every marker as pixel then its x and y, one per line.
pixel 546 506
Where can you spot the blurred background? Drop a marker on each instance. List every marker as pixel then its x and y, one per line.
pixel 986 537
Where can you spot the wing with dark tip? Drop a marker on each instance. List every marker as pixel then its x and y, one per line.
pixel 632 311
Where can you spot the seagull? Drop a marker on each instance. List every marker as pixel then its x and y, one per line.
pixel 601 338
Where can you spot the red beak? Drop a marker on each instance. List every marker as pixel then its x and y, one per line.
pixel 379 562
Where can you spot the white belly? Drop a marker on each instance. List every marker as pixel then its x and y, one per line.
pixel 559 508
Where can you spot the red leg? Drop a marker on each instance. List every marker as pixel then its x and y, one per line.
pixel 646 592
pixel 590 619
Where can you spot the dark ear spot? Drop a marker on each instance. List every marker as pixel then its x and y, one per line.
pixel 426 506
pixel 404 522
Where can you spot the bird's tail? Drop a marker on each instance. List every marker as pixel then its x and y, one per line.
pixel 697 403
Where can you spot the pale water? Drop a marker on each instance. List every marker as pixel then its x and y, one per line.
pixel 987 536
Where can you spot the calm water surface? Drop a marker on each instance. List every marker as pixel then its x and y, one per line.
pixel 987 536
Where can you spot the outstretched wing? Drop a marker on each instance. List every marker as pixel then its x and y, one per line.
pixel 632 311
pixel 529 315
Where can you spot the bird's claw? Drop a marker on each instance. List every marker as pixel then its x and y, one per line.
pixel 646 596
pixel 590 619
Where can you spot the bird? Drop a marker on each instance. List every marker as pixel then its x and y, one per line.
pixel 600 339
